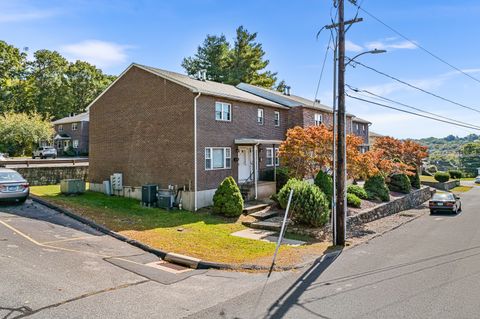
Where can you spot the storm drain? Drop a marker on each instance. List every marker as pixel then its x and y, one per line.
pixel 169 267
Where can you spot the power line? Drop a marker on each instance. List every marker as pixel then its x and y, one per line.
pixel 414 87
pixel 379 97
pixel 412 113
pixel 354 2
pixel 323 67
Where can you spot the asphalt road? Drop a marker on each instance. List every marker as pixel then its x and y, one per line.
pixel 428 268
pixel 54 267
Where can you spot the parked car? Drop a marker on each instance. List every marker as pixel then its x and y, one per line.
pixel 13 187
pixel 3 157
pixel 445 202
pixel 477 179
pixel 44 152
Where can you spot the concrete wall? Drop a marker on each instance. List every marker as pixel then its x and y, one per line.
pixel 412 200
pixel 52 175
pixel 443 186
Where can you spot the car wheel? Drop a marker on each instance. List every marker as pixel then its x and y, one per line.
pixel 431 211
pixel 21 200
pixel 460 208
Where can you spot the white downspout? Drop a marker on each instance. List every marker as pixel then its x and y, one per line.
pixel 195 206
pixel 255 168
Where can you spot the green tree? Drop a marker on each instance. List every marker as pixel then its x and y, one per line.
pixel 470 158
pixel 212 56
pixel 244 62
pixel 13 68
pixel 19 132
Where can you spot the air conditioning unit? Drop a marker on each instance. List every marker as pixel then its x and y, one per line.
pixel 116 181
pixel 149 195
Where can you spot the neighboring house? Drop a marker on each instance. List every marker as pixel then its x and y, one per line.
pixel 372 136
pixel 161 127
pixel 71 133
pixel 360 128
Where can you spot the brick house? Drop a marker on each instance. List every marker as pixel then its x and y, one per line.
pixel 72 132
pixel 166 128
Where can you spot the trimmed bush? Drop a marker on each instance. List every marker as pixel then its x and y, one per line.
pixel 455 173
pixel 325 183
pixel 415 180
pixel 353 200
pixel 400 183
pixel 309 204
pixel 228 200
pixel 432 169
pixel 357 191
pixel 376 188
pixel 441 177
pixel 283 175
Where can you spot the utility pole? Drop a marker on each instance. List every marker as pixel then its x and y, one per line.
pixel 341 134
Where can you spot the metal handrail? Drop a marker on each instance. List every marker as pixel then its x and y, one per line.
pixel 29 162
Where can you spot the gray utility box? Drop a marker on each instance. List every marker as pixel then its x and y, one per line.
pixel 165 199
pixel 149 195
pixel 72 186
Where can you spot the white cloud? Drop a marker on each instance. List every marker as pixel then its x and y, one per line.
pixel 352 47
pixel 388 44
pixel 19 11
pixel 100 53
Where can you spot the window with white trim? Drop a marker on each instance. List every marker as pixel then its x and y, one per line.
pixel 218 158
pixel 270 157
pixel 260 116
pixel 223 111
pixel 74 126
pixel 276 118
pixel 75 143
pixel 60 128
pixel 318 119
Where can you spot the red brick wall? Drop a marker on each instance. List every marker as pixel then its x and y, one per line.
pixel 143 127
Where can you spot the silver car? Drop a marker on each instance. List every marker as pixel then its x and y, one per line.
pixel 44 152
pixel 13 187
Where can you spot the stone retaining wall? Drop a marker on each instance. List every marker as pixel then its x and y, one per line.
pixel 443 186
pixel 37 176
pixel 412 200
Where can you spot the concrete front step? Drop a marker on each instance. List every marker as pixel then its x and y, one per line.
pixel 274 223
pixel 266 235
pixel 265 213
pixel 249 209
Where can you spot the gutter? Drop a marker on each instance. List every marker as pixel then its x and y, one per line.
pixel 195 206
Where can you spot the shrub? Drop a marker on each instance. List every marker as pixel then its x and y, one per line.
pixel 455 173
pixel 415 180
pixel 441 177
pixel 357 191
pixel 376 188
pixel 400 183
pixel 353 200
pixel 432 169
pixel 325 183
pixel 228 200
pixel 283 175
pixel 309 204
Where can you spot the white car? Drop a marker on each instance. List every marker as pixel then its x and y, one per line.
pixel 477 179
pixel 3 157
pixel 44 152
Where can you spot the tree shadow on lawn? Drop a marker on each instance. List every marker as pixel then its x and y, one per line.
pixel 121 214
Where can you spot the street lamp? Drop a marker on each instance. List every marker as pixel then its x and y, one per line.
pixel 375 51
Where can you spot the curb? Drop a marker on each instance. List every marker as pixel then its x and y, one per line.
pixel 183 260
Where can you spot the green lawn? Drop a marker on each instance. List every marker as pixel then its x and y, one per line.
pixel 202 234
pixel 425 178
pixel 461 189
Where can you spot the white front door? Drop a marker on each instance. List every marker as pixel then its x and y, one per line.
pixel 245 163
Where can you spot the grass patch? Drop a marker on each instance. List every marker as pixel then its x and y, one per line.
pixel 426 178
pixel 461 189
pixel 202 234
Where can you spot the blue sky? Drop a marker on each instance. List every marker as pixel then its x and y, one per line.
pixel 112 34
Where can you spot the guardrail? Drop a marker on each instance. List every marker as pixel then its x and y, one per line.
pixel 29 162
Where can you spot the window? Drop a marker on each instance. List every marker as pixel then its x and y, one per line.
pixel 223 111
pixel 75 144
pixel 218 158
pixel 270 157
pixel 356 127
pixel 60 128
pixel 74 126
pixel 260 116
pixel 318 119
pixel 276 118
pixel 66 144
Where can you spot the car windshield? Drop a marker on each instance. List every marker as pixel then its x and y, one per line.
pixel 444 196
pixel 10 176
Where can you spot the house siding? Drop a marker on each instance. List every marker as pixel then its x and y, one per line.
pixel 213 133
pixel 361 130
pixel 143 127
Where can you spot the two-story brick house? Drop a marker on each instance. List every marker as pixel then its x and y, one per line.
pixel 72 133
pixel 166 128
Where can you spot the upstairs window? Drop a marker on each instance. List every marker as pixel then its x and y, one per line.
pixel 60 128
pixel 260 116
pixel 74 126
pixel 223 111
pixel 276 118
pixel 318 119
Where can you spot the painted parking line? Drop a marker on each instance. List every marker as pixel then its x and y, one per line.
pixel 67 239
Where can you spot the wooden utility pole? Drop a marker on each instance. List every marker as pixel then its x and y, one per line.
pixel 341 134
